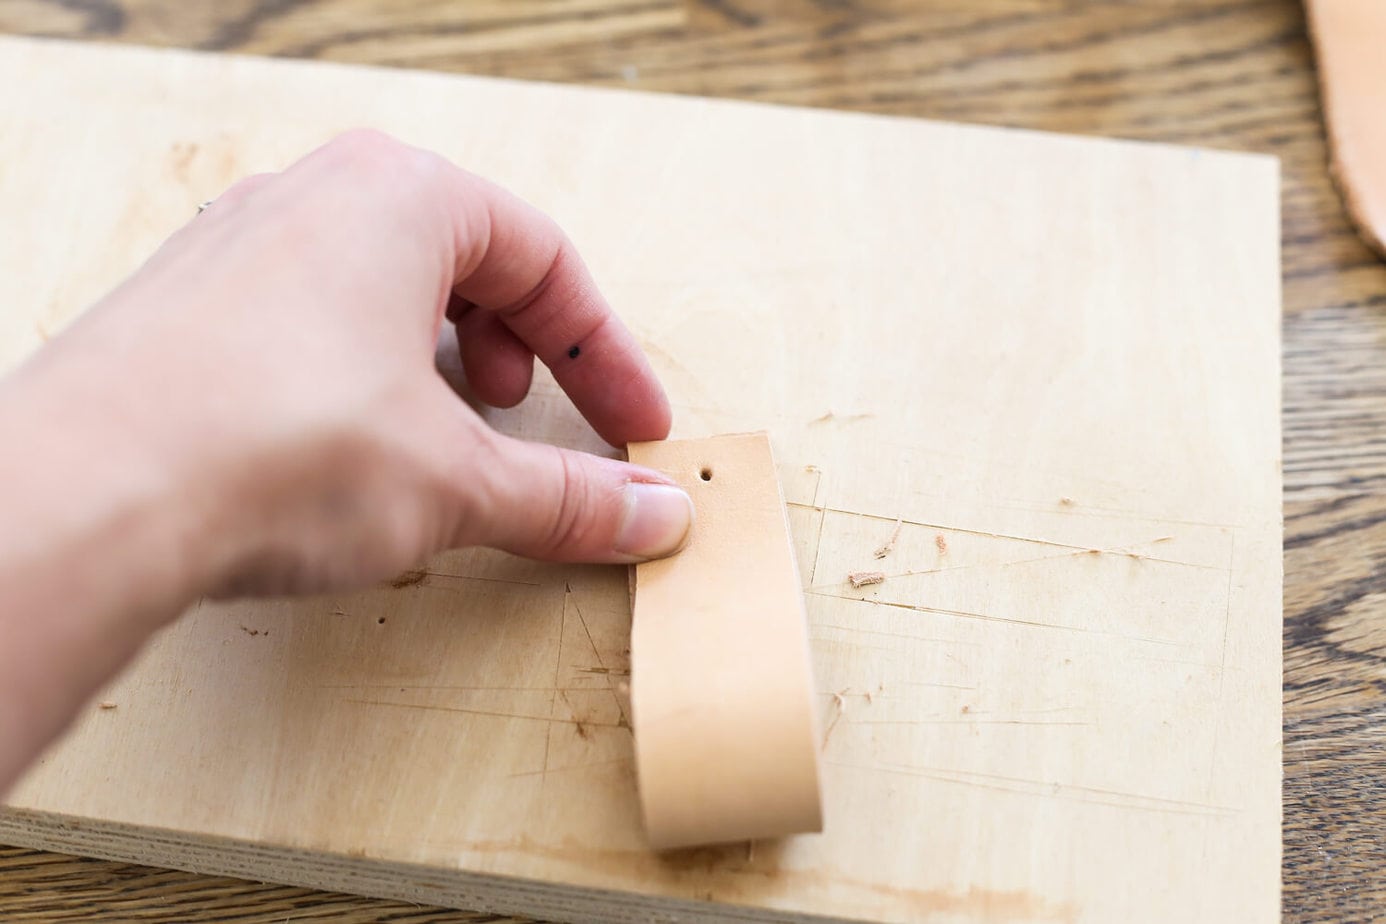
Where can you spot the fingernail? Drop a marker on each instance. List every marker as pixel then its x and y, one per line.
pixel 656 523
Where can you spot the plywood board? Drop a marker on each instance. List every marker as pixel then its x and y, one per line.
pixel 1052 362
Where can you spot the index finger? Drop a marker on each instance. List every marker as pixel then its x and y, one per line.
pixel 514 260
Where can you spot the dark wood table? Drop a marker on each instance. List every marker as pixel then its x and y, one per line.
pixel 1234 74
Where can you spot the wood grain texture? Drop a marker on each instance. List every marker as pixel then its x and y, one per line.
pixel 47 887
pixel 1214 72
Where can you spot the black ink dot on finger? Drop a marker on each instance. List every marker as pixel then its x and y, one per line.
pixel 573 352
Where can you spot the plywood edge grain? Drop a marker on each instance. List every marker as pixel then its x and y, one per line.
pixel 452 888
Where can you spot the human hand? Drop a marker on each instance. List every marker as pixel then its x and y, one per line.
pixel 257 411
pixel 273 362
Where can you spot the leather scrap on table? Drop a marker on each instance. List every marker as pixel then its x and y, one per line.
pixel 1350 41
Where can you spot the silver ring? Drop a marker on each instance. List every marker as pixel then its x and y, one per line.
pixel 202 207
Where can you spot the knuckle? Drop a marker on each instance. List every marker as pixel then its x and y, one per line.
pixel 369 154
pixel 573 516
pixel 364 144
pixel 558 514
pixel 524 308
pixel 376 160
pixel 475 485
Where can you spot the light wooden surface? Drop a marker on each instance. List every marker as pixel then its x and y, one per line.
pixel 1063 703
pixel 1224 73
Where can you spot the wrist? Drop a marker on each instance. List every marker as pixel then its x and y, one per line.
pixel 91 495
pixel 100 546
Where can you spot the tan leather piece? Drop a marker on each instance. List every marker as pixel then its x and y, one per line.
pixel 722 704
pixel 1350 39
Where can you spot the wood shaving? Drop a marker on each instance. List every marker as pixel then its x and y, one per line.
pixel 409 578
pixel 849 418
pixel 106 704
pixel 841 703
pixel 889 546
pixel 863 578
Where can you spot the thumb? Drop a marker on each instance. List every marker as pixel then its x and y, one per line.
pixel 560 505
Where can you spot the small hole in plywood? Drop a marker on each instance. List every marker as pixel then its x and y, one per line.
pixel 380 621
pixel 705 474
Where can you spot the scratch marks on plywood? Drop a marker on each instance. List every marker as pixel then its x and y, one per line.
pixel 1127 552
pixel 843 712
pixel 1222 670
pixel 817 505
pixel 415 577
pixel 553 698
pixel 972 718
pixel 1013 620
pixel 487 713
pixel 839 706
pixel 449 687
pixel 903 636
pixel 1051 789
pixel 601 668
pixel 1097 583
pixel 596 765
